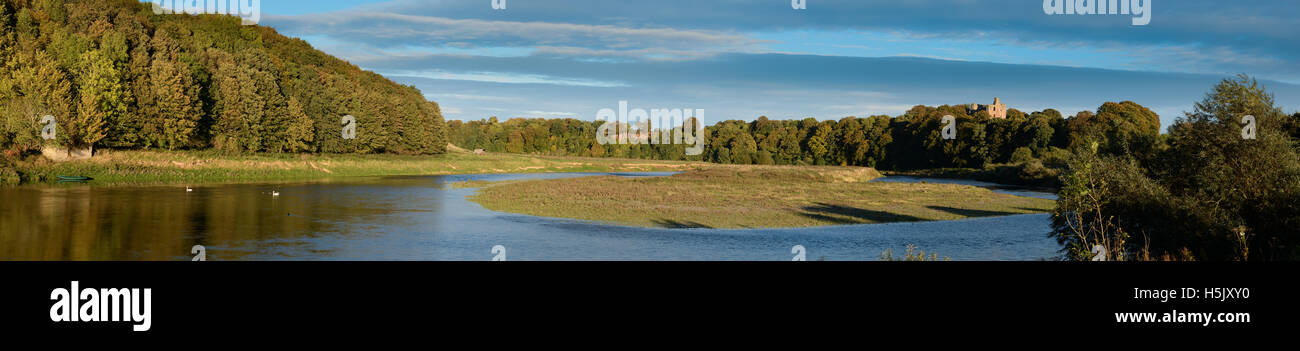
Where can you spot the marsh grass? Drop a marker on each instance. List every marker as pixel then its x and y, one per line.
pixel 469 184
pixel 199 167
pixel 727 196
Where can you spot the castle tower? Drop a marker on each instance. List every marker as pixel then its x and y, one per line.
pixel 997 109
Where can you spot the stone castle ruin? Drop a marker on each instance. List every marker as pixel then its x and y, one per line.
pixel 996 110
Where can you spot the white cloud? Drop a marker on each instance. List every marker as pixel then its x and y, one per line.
pixel 472 97
pixel 502 77
pixel 383 30
pixel 550 114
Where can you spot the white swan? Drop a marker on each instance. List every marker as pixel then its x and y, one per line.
pixel 189 190
pixel 275 193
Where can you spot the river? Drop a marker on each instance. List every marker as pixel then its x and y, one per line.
pixel 422 218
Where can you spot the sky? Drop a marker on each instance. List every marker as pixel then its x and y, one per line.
pixel 740 59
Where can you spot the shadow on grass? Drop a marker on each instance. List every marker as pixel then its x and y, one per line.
pixel 671 224
pixel 971 213
pixel 823 212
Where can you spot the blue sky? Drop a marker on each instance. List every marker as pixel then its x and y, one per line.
pixel 739 59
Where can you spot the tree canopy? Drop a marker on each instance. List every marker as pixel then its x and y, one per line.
pixel 1212 194
pixel 114 74
pixel 910 141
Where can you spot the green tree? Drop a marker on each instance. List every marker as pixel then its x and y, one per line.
pixel 69 48
pixel 102 99
pixel 743 149
pixel 1292 127
pixel 1022 155
pixel 765 158
pixel 176 97
pixel 515 143
pixel 1233 99
pixel 1243 195
pixel 723 156
pixel 791 148
pixel 1127 127
pixel 8 35
pixel 239 109
pixel 200 81
pixel 301 132
pixel 25 27
pixel 1036 133
pixel 1212 195
pixel 818 143
pixel 878 138
pixel 37 88
pixel 1094 203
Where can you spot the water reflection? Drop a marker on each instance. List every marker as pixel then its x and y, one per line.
pixel 70 222
pixel 421 218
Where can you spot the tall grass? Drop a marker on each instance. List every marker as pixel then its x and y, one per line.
pixel 197 167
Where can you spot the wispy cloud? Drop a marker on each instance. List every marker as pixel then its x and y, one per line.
pixel 742 59
pixel 501 77
pixel 471 97
pixel 550 114
pixel 392 30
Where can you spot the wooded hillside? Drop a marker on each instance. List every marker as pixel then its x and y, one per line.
pixel 114 74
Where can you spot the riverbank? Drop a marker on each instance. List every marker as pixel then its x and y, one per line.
pixel 1033 175
pixel 728 196
pixel 204 167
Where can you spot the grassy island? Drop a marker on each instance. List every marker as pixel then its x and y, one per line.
pixel 724 196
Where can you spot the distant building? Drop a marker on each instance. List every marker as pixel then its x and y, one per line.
pixel 996 110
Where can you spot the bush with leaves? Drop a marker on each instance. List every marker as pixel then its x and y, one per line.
pixel 1212 194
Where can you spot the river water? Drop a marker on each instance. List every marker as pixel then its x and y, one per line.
pixel 421 218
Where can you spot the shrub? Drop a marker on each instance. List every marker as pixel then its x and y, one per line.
pixel 1022 155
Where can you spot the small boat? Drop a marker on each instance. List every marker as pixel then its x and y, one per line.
pixel 74 178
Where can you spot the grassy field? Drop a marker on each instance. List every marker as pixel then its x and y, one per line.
pixel 198 167
pixel 720 196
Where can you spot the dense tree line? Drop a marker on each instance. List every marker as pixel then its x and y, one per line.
pixel 1215 189
pixel 913 140
pixel 114 74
